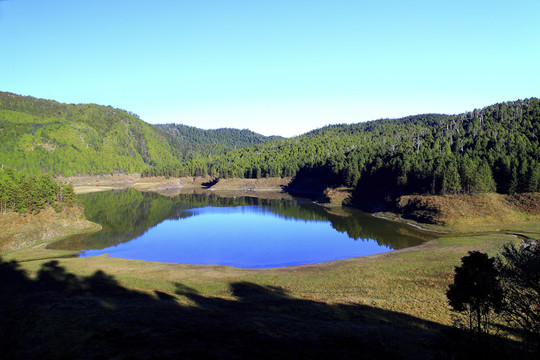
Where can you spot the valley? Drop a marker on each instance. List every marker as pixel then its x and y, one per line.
pixel 456 183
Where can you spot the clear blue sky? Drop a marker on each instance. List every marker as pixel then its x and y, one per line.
pixel 276 67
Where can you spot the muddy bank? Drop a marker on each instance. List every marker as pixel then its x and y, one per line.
pixel 454 213
pixel 86 184
pixel 250 185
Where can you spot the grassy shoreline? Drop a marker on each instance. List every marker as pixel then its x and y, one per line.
pixel 430 264
pixel 86 184
pixel 392 276
pixel 21 233
pixel 400 294
pixel 409 283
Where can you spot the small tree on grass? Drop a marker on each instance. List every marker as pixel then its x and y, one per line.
pixel 476 291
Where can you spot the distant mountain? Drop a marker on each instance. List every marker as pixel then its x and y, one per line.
pixel 45 136
pixel 492 149
pixel 191 140
pixel 39 135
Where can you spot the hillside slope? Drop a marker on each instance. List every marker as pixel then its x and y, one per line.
pixel 487 150
pixel 492 149
pixel 473 213
pixel 192 140
pixel 47 136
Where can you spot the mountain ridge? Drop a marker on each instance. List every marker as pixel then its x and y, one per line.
pixel 208 142
pixel 495 148
pixel 46 136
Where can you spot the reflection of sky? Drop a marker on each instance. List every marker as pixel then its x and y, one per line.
pixel 246 236
pixel 260 210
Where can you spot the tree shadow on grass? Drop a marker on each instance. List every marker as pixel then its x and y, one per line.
pixel 63 316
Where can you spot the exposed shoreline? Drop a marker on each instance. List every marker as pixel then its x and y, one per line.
pixel 447 214
pixel 25 237
pixel 270 188
pixel 409 282
pixel 86 184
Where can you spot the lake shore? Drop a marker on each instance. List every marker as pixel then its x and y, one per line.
pixel 86 184
pixel 399 295
pixel 450 214
pixel 460 214
pixel 443 214
pixel 28 234
pixel 382 289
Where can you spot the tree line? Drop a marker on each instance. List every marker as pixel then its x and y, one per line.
pixel 487 150
pixel 29 194
pixel 44 136
pixel 193 142
pixel 491 149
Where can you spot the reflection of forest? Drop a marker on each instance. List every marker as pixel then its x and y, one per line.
pixel 125 215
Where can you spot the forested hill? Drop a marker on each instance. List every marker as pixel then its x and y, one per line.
pixel 492 149
pixel 191 140
pixel 39 135
pixel 44 136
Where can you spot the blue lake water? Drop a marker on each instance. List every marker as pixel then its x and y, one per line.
pixel 241 232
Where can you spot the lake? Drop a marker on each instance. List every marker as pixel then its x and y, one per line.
pixel 201 227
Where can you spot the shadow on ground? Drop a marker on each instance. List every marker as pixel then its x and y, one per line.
pixel 210 183
pixel 59 315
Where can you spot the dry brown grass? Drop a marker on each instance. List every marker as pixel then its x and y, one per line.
pixel 20 232
pixel 378 306
pixel 264 184
pixel 86 184
pixel 412 281
pixel 364 296
pixel 474 213
pixel 338 196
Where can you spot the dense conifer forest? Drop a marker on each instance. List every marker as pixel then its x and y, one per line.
pixel 43 136
pixel 492 149
pixel 193 142
pixel 29 194
pixel 487 150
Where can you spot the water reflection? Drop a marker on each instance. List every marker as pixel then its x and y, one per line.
pixel 251 230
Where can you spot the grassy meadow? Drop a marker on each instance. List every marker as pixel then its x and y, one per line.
pixel 412 281
pixel 391 305
pixel 380 306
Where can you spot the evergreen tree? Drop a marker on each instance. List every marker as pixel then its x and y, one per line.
pixel 513 186
pixel 451 182
pixel 520 278
pixel 483 179
pixel 28 194
pixel 492 149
